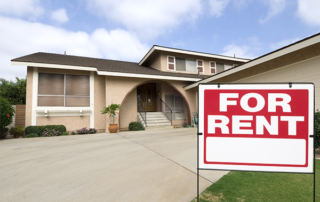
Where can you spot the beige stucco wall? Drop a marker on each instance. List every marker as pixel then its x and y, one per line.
pixel 129 110
pixel 70 122
pixel 305 71
pixel 119 88
pixel 99 102
pixel 156 62
pixel 206 61
pixel 29 96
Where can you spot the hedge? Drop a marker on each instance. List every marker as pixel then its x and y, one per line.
pixel 135 126
pixel 39 129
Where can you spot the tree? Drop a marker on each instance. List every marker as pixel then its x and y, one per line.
pixel 14 92
pixel 6 114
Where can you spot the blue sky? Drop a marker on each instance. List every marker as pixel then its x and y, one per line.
pixel 126 30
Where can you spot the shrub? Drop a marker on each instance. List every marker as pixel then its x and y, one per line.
pixel 49 133
pixel 39 129
pixel 3 133
pixel 65 133
pixel 32 135
pixel 6 113
pixel 317 128
pixel 92 130
pixel 17 131
pixel 73 132
pixel 135 126
pixel 83 130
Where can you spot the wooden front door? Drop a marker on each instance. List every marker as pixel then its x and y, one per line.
pixel 147 96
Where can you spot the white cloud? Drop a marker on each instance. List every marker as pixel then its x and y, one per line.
pixel 60 15
pixel 283 43
pixel 36 37
pixel 308 11
pixel 21 8
pixel 275 7
pixel 217 7
pixel 238 51
pixel 147 18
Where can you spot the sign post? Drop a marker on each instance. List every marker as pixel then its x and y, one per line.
pixel 263 127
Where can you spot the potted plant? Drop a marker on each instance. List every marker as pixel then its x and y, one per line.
pixel 111 111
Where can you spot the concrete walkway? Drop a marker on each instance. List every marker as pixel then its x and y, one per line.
pixel 127 166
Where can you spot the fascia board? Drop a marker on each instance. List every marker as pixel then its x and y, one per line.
pixel 190 53
pixel 266 58
pixel 33 64
pixel 146 76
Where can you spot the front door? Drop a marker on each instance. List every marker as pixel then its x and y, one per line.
pixel 147 96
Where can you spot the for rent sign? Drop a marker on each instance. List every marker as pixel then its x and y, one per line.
pixel 256 127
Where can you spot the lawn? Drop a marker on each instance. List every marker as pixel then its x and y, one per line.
pixel 258 186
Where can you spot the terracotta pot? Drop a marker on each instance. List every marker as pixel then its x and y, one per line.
pixel 113 128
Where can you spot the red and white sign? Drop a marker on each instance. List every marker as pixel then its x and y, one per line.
pixel 256 127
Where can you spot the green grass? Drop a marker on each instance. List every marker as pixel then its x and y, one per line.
pixel 258 186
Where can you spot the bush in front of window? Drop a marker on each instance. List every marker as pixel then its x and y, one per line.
pixel 6 113
pixel 134 126
pixel 39 129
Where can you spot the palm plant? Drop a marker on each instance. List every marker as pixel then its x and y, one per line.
pixel 111 111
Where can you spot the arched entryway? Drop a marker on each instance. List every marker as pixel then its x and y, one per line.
pixel 155 96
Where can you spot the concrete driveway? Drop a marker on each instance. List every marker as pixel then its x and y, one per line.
pixel 126 166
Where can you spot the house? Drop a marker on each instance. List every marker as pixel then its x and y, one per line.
pixel 159 91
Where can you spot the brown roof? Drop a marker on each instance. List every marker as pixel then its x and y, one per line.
pixel 100 64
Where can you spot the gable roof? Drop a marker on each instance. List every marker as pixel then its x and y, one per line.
pixel 102 66
pixel 309 41
pixel 155 49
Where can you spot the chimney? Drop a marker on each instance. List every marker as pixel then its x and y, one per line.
pixel 234 55
pixel 65 52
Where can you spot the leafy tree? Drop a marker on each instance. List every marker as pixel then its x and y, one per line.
pixel 6 113
pixel 14 92
pixel 317 128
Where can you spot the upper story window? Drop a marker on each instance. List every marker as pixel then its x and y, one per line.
pixel 212 67
pixel 171 63
pixel 200 65
pixel 63 90
pixel 183 64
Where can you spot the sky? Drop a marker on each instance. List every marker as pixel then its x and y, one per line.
pixel 126 29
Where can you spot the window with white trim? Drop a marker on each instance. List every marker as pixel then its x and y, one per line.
pixel 200 65
pixel 212 67
pixel 171 63
pixel 63 90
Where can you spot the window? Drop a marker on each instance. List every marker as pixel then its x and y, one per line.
pixel 171 63
pixel 200 66
pixel 63 90
pixel 219 67
pixel 212 67
pixel 175 102
pixel 182 64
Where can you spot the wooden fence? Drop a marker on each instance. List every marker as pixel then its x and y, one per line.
pixel 20 117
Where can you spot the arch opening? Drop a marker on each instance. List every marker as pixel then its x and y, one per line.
pixel 149 95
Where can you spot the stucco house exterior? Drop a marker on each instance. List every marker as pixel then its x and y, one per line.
pixel 160 91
